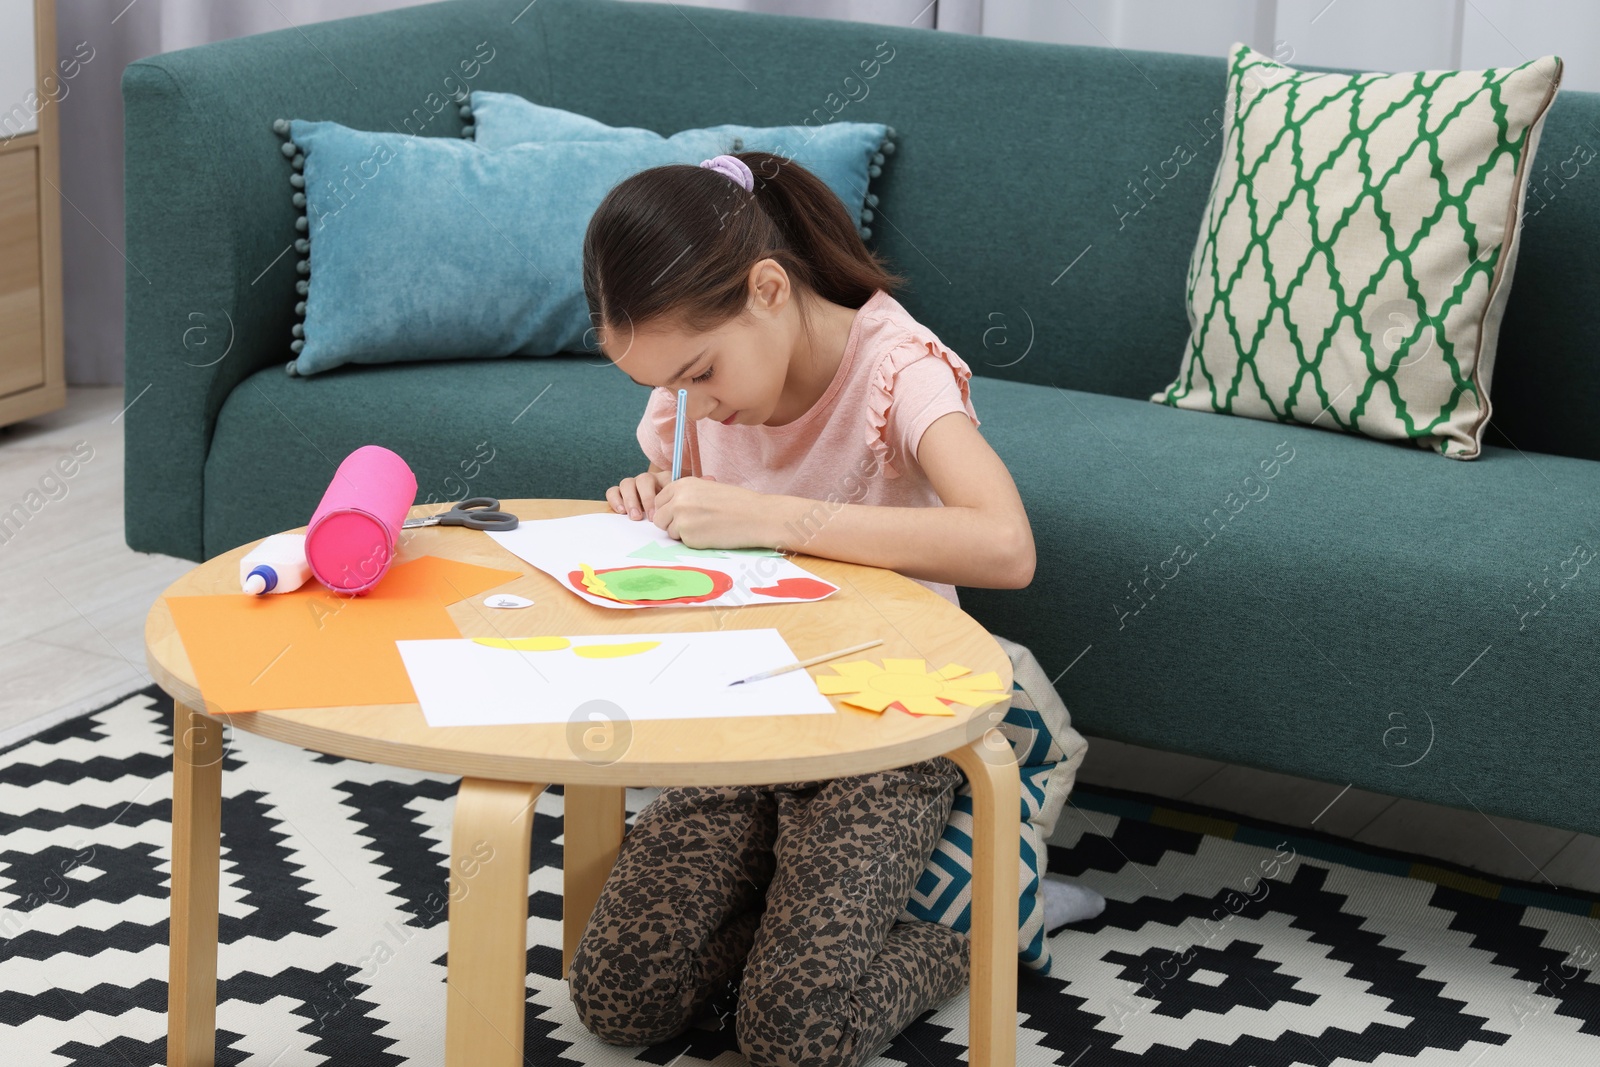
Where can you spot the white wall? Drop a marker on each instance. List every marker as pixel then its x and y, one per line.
pixel 17 69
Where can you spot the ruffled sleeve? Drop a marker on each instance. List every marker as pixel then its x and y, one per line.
pixel 915 383
pixel 656 428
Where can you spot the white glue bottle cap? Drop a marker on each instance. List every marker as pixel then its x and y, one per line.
pixel 261 579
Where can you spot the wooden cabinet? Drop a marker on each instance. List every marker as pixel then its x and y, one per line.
pixel 32 374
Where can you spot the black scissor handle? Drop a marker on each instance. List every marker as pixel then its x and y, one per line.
pixel 480 513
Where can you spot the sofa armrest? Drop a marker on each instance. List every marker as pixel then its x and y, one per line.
pixel 210 225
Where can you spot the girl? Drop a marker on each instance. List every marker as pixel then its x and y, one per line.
pixel 821 418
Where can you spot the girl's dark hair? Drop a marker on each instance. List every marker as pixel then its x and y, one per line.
pixel 676 243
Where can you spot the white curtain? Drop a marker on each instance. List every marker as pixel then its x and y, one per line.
pixel 1391 35
pixel 114 33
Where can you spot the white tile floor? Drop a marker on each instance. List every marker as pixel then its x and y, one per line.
pixel 73 598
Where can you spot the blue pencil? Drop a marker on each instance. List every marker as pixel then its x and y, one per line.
pixel 677 435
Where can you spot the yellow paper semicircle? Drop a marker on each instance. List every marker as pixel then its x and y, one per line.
pixel 632 648
pixel 525 644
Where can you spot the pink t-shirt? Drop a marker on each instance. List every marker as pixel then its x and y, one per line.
pixel 857 444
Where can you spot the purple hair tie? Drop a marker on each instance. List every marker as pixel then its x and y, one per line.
pixel 733 167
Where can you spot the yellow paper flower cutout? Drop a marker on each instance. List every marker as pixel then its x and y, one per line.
pixel 867 685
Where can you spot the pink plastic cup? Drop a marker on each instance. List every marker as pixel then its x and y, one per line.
pixel 353 535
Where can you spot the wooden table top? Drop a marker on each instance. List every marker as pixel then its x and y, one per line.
pixel 912 621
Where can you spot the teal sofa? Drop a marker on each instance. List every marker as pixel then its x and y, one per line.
pixel 1386 617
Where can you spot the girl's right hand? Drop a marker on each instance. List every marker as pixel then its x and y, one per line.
pixel 636 497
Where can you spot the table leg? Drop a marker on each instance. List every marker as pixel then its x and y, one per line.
pixel 593 820
pixel 487 970
pixel 197 750
pixel 991 768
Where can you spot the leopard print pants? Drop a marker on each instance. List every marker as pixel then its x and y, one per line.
pixel 788 892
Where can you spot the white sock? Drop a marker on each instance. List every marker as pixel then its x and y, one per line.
pixel 1067 900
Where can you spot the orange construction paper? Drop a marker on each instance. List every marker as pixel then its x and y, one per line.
pixel 315 648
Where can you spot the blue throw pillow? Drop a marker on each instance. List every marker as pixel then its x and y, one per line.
pixel 1048 752
pixel 843 154
pixel 420 248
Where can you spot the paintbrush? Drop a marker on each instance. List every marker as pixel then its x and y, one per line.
pixel 807 663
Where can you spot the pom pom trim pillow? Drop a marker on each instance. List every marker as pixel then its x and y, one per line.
pixel 843 154
pixel 1049 752
pixel 420 248
pixel 1358 245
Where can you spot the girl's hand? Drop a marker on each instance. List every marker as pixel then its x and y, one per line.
pixel 703 513
pixel 635 497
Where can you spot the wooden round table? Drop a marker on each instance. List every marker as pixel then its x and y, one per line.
pixel 504 769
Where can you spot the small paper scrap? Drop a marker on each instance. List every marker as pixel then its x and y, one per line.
pixel 506 600
pixel 907 682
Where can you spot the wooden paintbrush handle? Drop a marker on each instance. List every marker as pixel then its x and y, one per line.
pixel 832 655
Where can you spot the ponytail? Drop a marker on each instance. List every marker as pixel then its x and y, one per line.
pixel 675 243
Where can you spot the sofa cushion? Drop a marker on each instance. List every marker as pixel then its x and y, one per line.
pixel 845 155
pixel 554 426
pixel 1364 616
pixel 1358 247
pixel 430 248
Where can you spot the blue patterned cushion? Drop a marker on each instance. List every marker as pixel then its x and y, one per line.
pixel 1048 752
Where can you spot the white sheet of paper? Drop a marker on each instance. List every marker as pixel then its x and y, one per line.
pixel 460 682
pixel 605 539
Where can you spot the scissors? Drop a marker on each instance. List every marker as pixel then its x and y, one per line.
pixel 477 513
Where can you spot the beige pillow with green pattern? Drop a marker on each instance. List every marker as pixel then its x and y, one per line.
pixel 1357 248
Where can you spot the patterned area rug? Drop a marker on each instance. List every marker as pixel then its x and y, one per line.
pixel 1222 943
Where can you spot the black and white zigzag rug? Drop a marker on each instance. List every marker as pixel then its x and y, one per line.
pixel 1223 942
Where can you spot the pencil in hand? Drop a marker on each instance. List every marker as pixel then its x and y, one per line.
pixel 677 435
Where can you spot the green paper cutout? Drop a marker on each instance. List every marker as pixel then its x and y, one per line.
pixel 656 583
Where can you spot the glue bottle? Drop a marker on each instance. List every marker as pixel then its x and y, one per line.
pixel 276 565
